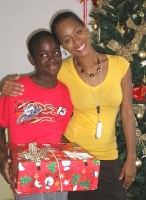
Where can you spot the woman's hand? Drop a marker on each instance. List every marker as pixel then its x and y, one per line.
pixel 11 87
pixel 128 173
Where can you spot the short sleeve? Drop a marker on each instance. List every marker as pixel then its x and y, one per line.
pixel 123 66
pixel 4 111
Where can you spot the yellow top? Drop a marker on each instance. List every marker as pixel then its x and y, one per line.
pixel 82 126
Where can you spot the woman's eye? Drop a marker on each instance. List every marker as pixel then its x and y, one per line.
pixel 67 41
pixel 79 31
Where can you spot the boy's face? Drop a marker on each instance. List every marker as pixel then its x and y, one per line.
pixel 47 57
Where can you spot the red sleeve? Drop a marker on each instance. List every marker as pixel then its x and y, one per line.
pixel 4 111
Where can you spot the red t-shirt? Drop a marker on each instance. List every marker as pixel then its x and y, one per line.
pixel 39 115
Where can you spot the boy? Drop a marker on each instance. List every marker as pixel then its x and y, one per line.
pixel 42 113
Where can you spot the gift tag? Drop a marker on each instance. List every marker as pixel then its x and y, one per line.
pixel 98 130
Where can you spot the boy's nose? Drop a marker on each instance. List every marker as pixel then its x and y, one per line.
pixel 51 57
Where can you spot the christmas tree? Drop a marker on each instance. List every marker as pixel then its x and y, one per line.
pixel 119 27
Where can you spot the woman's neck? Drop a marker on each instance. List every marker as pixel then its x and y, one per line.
pixel 89 61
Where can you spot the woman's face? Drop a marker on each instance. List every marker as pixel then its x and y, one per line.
pixel 73 37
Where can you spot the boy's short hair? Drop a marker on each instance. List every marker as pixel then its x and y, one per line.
pixel 35 37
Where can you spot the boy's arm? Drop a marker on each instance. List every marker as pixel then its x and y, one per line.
pixel 5 161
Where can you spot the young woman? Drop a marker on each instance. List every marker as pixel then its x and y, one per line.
pixel 99 85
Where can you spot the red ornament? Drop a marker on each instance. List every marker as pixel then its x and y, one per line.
pixel 84 10
pixel 94 2
pixel 139 92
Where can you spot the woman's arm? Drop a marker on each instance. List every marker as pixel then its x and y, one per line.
pixel 11 87
pixel 128 172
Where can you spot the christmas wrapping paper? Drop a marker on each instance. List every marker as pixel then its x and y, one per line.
pixel 50 168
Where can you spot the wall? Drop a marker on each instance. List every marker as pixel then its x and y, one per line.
pixel 18 18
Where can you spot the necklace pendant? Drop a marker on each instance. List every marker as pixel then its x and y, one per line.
pixel 98 130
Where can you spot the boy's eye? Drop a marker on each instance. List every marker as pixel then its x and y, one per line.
pixel 57 52
pixel 43 55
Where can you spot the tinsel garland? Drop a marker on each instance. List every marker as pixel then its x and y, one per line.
pixel 133 47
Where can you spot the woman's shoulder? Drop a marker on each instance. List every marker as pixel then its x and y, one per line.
pixel 119 64
pixel 67 66
pixel 67 62
pixel 117 59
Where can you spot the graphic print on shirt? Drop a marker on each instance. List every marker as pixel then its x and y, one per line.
pixel 35 112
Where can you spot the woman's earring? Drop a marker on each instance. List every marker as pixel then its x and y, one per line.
pixel 64 52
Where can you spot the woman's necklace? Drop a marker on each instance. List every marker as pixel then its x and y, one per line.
pixel 83 72
pixel 99 123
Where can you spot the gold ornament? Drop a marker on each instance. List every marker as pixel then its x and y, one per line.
pixel 138 133
pixel 141 14
pixel 139 116
pixel 141 141
pixel 141 54
pixel 144 4
pixel 139 110
pixel 94 26
pixel 143 137
pixel 138 163
pixel 120 29
pixel 144 79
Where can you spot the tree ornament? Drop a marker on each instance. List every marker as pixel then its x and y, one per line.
pixel 143 63
pixel 94 25
pixel 141 141
pixel 98 6
pixel 132 48
pixel 144 4
pixel 120 29
pixel 138 163
pixel 85 10
pixel 94 2
pixel 138 133
pixel 144 79
pixel 141 54
pixel 139 109
pixel 140 32
pixel 141 14
pixel 139 92
pixel 139 116
pixel 120 50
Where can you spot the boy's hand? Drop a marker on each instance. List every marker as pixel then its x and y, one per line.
pixel 11 88
pixel 5 168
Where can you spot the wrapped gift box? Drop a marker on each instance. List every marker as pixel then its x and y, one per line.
pixel 50 168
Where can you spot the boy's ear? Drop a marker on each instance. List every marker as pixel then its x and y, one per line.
pixel 31 60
